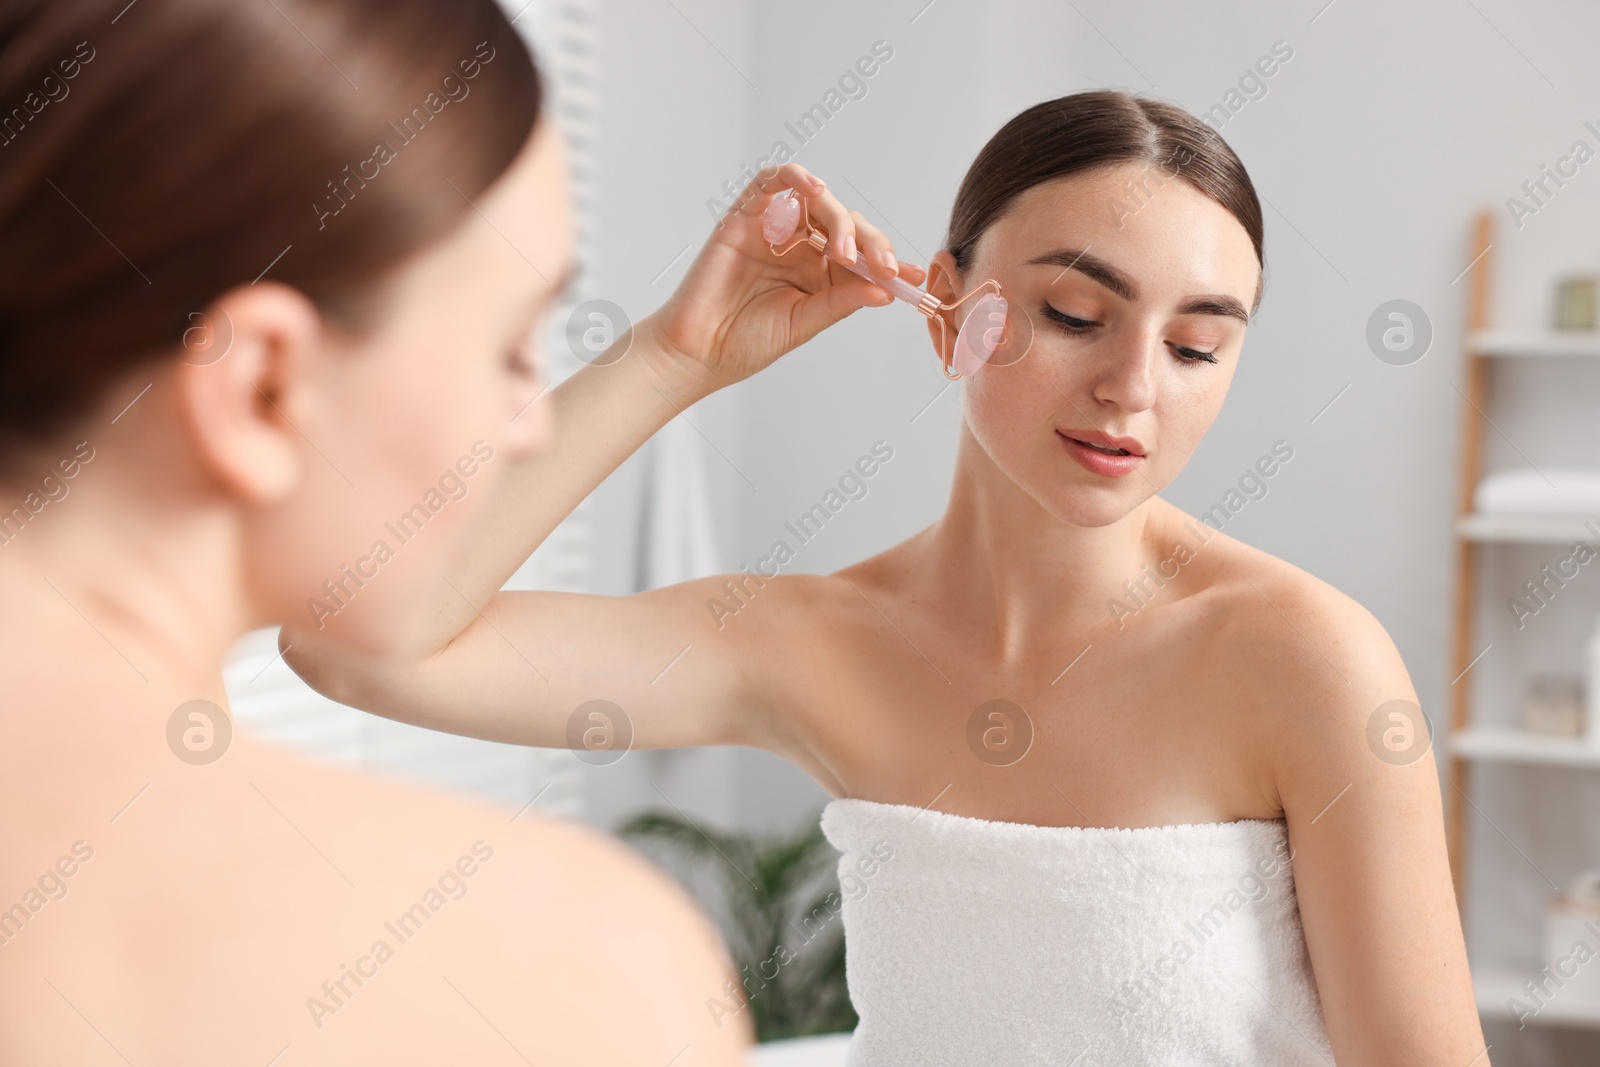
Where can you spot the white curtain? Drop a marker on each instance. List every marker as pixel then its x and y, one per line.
pixel 676 538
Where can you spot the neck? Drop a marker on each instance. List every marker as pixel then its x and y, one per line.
pixel 1021 578
pixel 125 566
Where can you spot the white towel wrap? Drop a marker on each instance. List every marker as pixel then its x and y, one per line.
pixel 970 941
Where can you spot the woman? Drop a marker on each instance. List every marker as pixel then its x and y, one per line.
pixel 1212 703
pixel 268 281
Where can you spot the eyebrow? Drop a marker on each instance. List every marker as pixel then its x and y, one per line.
pixel 1119 283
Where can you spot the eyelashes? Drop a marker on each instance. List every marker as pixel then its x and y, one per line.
pixel 1074 327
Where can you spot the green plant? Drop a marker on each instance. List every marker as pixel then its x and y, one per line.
pixel 776 900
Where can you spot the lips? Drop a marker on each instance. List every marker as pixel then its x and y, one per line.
pixel 1111 446
pixel 1102 459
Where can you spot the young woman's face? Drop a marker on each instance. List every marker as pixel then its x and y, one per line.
pixel 418 420
pixel 1137 312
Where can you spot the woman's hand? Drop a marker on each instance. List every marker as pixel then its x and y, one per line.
pixel 740 307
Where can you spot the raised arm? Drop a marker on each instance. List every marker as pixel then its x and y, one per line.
pixel 516 666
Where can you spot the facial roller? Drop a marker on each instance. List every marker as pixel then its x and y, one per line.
pixel 984 330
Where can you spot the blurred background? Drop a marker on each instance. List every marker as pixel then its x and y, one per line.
pixel 1425 345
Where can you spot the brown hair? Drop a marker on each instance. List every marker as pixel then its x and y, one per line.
pixel 153 156
pixel 1092 130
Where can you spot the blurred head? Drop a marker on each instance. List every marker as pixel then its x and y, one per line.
pixel 1127 239
pixel 322 232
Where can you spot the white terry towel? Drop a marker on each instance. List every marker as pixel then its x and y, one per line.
pixel 969 941
pixel 1549 491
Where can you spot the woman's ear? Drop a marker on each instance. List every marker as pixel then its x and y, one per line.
pixel 244 380
pixel 944 282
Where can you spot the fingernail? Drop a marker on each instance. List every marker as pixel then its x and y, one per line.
pixel 850 247
pixel 888 260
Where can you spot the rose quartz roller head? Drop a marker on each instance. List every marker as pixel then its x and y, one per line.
pixel 981 334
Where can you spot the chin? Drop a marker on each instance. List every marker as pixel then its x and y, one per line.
pixel 1094 506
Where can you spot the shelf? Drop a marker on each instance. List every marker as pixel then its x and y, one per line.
pixel 1529 529
pixel 1519 746
pixel 1577 1004
pixel 1519 344
pixel 1495 985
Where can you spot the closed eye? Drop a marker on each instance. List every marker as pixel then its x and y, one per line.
pixel 1069 325
pixel 1066 322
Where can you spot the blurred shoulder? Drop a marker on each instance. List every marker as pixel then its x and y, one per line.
pixel 561 906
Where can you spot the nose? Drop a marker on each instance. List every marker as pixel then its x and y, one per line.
pixel 1128 372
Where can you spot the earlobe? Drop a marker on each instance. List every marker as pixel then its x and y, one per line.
pixel 242 377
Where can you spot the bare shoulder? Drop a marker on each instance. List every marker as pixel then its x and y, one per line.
pixel 798 638
pixel 790 597
pixel 1309 664
pixel 1281 617
pixel 780 629
pixel 797 624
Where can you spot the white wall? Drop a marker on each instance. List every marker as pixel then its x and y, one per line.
pixel 1374 145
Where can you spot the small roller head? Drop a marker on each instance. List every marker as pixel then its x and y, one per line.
pixel 779 221
pixel 981 333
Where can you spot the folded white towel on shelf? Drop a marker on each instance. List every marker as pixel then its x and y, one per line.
pixel 1548 491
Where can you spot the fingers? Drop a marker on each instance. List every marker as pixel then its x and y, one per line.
pixel 766 186
pixel 819 310
pixel 907 272
pixel 830 215
pixel 877 251
pixel 850 235
pixel 847 293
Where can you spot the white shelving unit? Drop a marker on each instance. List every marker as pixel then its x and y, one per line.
pixel 1495 986
pixel 1523 529
pixel 1468 743
pixel 1532 344
pixel 1519 746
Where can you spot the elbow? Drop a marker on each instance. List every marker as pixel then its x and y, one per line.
pixel 356 677
pixel 328 669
